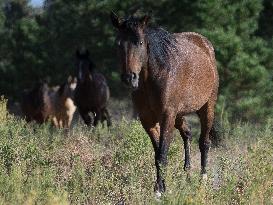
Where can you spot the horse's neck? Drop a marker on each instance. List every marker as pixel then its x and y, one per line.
pixel 86 85
pixel 152 75
pixel 87 79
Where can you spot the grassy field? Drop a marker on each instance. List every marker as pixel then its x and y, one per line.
pixel 42 165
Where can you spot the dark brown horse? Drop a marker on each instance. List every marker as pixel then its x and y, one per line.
pixel 171 75
pixel 35 103
pixel 92 92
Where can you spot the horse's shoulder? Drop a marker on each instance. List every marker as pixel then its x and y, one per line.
pixel 197 39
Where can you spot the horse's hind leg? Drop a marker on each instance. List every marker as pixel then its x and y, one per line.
pixel 185 132
pixel 106 116
pixel 98 118
pixel 206 115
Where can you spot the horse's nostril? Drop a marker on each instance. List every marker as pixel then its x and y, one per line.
pixel 129 78
pixel 134 76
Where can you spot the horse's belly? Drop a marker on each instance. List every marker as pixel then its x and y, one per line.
pixel 195 95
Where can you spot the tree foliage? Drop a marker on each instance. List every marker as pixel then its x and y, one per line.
pixel 40 43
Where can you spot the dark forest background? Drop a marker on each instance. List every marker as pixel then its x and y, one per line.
pixel 40 43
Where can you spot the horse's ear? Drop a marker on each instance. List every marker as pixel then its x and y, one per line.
pixel 144 20
pixel 116 21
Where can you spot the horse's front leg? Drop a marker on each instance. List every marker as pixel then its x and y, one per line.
pixel 85 116
pixel 106 116
pixel 166 128
pixel 151 126
pixel 97 119
pixel 153 130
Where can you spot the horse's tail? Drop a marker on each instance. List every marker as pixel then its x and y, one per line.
pixel 216 133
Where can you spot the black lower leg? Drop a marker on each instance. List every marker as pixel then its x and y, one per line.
pixel 97 118
pixel 204 149
pixel 108 117
pixel 187 147
pixel 86 118
pixel 160 172
pixel 161 166
pixel 166 127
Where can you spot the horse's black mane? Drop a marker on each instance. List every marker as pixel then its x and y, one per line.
pixel 161 43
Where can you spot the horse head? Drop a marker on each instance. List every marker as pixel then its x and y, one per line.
pixel 67 89
pixel 132 47
pixel 84 66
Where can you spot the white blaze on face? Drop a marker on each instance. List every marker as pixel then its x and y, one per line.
pixel 73 86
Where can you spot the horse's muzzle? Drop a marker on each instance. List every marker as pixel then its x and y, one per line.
pixel 130 79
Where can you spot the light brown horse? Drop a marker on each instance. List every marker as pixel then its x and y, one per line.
pixel 171 75
pixel 62 103
pixel 92 92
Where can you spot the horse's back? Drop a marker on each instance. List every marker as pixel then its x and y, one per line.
pixel 197 39
pixel 203 43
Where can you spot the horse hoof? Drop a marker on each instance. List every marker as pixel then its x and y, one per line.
pixel 188 176
pixel 122 202
pixel 158 195
pixel 204 177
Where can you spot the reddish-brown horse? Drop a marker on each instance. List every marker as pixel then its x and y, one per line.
pixel 35 103
pixel 171 75
pixel 92 92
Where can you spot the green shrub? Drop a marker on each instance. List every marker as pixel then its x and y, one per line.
pixel 42 165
